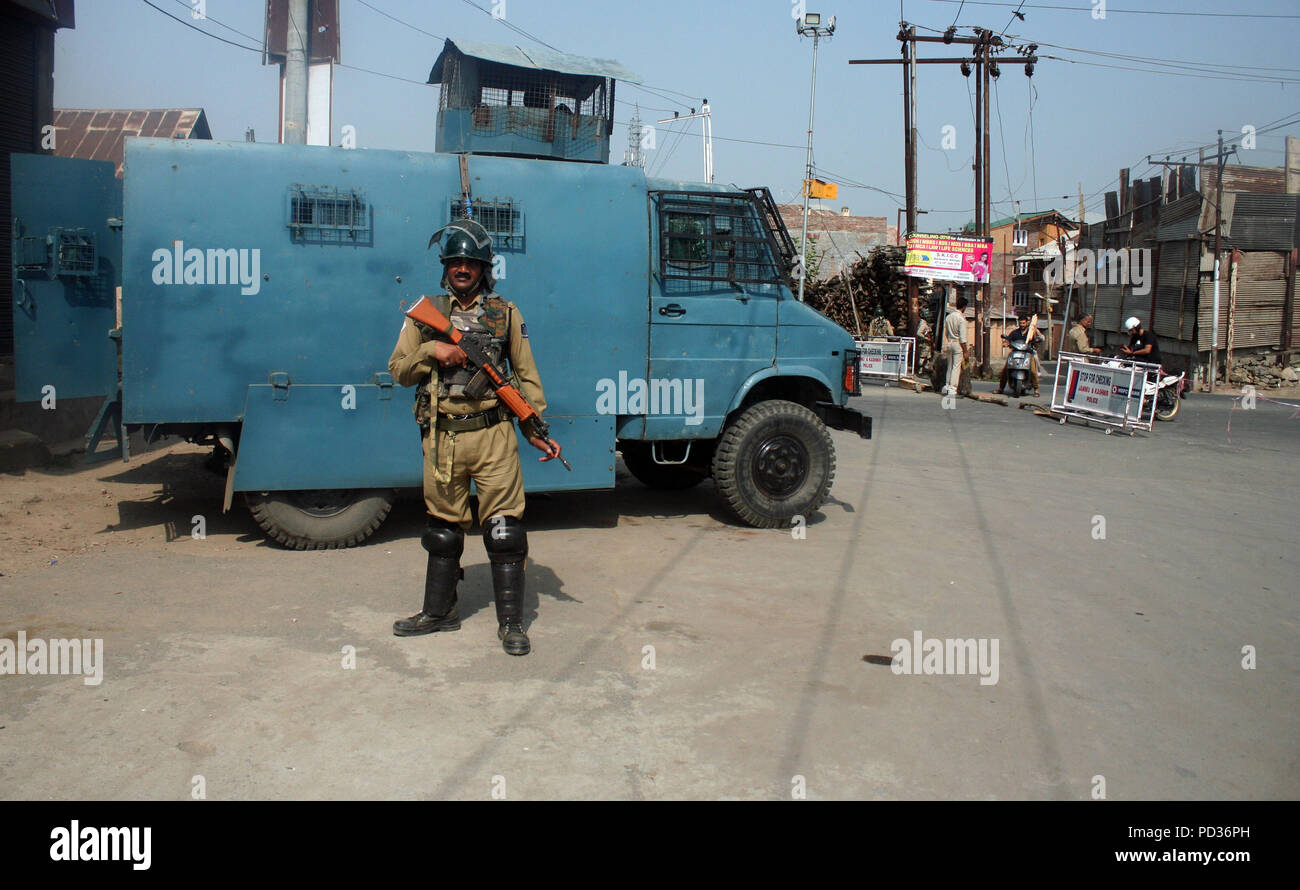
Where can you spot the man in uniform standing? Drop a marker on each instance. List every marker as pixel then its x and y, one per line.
pixel 468 434
pixel 954 344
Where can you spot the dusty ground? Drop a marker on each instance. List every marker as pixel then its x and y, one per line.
pixel 50 513
pixel 1121 657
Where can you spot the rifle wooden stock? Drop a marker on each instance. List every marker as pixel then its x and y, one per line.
pixel 427 314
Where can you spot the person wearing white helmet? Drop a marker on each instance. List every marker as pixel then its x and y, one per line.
pixel 1142 345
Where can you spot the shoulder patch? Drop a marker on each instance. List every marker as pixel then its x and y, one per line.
pixel 496 316
pixel 523 330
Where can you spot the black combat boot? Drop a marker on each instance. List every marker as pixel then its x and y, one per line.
pixel 445 545
pixel 507 548
pixel 508 586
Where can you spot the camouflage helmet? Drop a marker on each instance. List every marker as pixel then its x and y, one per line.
pixel 464 238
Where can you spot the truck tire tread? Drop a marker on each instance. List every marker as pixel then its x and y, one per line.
pixel 270 516
pixel 734 488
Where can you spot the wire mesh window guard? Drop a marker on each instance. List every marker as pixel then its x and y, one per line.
pixel 502 219
pixel 709 236
pixel 323 215
pixel 543 105
pixel 67 252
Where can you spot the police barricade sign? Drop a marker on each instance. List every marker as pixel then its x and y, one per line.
pixel 1111 392
pixel 886 357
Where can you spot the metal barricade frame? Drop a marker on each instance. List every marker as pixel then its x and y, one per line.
pixel 1083 374
pixel 904 367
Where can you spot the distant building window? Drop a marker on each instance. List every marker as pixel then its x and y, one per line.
pixel 1020 238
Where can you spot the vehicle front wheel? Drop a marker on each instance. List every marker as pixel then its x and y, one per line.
pixel 322 519
pixel 776 461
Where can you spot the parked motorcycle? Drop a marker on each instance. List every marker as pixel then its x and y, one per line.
pixel 1169 389
pixel 1170 392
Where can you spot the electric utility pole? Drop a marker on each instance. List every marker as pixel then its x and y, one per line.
pixel 982 46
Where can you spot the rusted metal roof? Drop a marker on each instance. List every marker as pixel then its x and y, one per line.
pixel 98 134
pixel 1238 178
pixel 1178 219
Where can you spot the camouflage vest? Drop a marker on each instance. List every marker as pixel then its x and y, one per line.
pixel 489 324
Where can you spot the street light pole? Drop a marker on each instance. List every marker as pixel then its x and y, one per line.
pixel 810 24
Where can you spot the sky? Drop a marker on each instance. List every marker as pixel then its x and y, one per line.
pixel 1222 67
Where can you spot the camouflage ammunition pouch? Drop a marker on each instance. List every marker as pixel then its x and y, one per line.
pixel 422 408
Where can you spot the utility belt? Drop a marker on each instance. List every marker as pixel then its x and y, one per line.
pixel 462 423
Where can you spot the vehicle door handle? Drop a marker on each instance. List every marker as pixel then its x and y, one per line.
pixel 672 310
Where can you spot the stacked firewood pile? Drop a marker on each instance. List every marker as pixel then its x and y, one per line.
pixel 874 280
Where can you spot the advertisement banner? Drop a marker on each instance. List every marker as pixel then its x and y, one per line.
pixel 949 258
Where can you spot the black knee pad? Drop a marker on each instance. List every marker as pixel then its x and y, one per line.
pixel 444 539
pixel 505 540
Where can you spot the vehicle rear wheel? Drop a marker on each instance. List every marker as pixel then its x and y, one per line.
pixel 321 519
pixel 776 461
pixel 1167 404
pixel 668 477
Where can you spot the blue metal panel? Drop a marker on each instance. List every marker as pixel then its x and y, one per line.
pixel 303 437
pixel 309 440
pixel 329 314
pixel 805 343
pixel 61 321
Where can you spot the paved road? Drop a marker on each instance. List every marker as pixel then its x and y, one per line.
pixel 1118 657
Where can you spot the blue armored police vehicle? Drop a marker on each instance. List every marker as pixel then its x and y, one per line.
pixel 248 296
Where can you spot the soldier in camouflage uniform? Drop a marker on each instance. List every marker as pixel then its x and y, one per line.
pixel 468 435
pixel 880 326
pixel 924 344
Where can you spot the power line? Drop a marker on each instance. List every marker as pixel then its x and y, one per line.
pixel 255 49
pixel 1240 78
pixel 732 139
pixel 399 21
pixel 1185 62
pixel 1210 70
pixel 208 18
pixel 658 91
pixel 419 83
pixel 1109 9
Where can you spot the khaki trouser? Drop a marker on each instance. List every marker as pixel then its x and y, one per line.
pixel 490 457
pixel 954 366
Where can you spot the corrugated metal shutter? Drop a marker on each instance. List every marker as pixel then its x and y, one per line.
pixel 17 133
pixel 1261 299
pixel 1176 290
pixel 1262 222
pixel 1261 295
pixel 1106 315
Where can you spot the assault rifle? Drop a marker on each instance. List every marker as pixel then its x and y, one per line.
pixel 425 313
